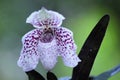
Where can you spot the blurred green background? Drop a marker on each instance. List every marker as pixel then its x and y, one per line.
pixel 81 17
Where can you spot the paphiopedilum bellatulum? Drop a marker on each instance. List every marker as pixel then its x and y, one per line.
pixel 48 41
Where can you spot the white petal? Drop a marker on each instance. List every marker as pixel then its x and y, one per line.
pixel 29 56
pixel 66 46
pixel 45 17
pixel 33 19
pixel 48 54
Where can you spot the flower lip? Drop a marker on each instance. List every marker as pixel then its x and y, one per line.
pixel 47 36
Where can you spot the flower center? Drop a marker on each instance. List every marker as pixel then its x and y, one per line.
pixel 47 35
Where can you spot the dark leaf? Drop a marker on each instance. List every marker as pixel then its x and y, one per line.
pixel 34 75
pixel 51 76
pixel 90 49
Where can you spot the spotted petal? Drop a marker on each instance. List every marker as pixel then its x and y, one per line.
pixel 45 17
pixel 66 46
pixel 29 56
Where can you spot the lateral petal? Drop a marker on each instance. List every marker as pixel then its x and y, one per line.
pixel 29 56
pixel 66 46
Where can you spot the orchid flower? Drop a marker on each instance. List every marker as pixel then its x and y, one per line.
pixel 47 41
